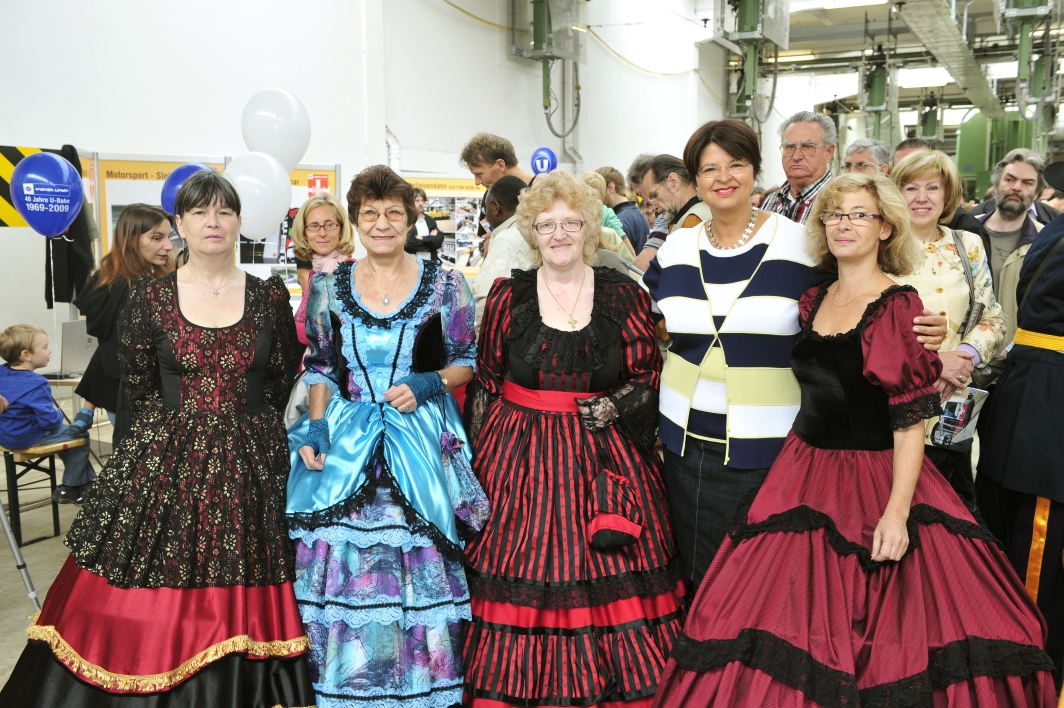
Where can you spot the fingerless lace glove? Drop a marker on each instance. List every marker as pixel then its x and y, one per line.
pixel 424 386
pixel 318 437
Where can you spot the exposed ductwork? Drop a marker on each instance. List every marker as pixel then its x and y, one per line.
pixel 931 22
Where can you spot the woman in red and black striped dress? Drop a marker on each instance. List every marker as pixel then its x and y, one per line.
pixel 575 599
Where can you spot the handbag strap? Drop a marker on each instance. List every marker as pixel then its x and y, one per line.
pixel 967 267
pixel 1041 266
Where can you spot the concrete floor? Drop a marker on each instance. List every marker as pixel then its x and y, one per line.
pixel 43 558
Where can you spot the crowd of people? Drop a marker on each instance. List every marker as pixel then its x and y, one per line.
pixel 675 445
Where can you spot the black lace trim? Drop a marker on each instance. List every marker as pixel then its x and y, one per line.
pixel 638 416
pixel 956 662
pixel 866 318
pixel 803 518
pixel 574 595
pixel 343 278
pixel 583 350
pixel 902 415
pixel 340 512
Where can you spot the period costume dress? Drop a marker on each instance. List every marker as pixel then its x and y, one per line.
pixel 178 590
pixel 793 610
pixel 576 595
pixel 379 530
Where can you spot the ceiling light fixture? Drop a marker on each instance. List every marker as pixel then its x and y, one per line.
pixel 803 5
pixel 793 57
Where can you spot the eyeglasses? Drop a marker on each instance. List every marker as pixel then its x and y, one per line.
pixel 371 215
pixel 711 172
pixel 570 226
pixel 808 149
pixel 857 218
pixel 330 227
pixel 860 167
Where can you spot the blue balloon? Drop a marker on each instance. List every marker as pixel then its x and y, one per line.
pixel 175 179
pixel 544 160
pixel 46 191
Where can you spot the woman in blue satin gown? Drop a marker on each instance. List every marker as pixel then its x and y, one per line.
pixel 381 492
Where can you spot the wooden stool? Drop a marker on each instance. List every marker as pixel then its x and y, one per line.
pixel 32 458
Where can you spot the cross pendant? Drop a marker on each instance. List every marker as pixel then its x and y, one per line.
pixel 572 321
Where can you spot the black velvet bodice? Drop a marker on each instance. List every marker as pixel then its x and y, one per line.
pixel 841 409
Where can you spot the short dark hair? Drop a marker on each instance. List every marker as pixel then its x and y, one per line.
pixel 486 148
pixel 377 183
pixel 664 165
pixel 638 168
pixel 506 191
pixel 733 136
pixel 204 188
pixel 911 143
pixel 419 192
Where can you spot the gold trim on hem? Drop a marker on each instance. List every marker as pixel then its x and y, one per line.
pixel 97 675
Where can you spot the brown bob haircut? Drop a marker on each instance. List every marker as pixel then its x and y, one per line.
pixel 486 148
pixel 733 136
pixel 899 254
pixel 124 259
pixel 932 164
pixel 377 183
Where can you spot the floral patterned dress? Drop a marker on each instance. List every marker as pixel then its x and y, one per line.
pixel 178 590
pixel 379 530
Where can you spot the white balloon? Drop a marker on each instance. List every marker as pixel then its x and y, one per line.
pixel 277 123
pixel 265 192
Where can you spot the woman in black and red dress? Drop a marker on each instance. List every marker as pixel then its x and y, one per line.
pixel 575 599
pixel 856 576
pixel 178 591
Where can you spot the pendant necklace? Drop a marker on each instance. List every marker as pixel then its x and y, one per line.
pixel 742 241
pixel 836 304
pixel 209 287
pixel 572 320
pixel 386 300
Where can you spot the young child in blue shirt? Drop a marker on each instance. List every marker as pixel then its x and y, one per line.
pixel 31 417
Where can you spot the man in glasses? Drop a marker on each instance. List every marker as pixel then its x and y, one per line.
pixel 868 156
pixel 808 144
pixel 671 189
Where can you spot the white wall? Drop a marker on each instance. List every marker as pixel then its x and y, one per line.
pixel 127 77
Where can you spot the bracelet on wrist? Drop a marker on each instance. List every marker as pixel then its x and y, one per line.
pixel 891 518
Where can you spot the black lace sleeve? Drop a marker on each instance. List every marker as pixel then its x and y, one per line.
pixel 636 397
pixel 492 355
pixel 284 347
pixel 136 348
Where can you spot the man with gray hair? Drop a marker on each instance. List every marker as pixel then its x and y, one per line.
pixel 808 144
pixel 868 156
pixel 660 229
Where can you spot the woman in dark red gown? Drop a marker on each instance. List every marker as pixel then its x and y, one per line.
pixel 856 576
pixel 575 598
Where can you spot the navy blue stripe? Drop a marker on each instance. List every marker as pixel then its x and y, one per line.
pixel 753 350
pixel 671 435
pixel 710 425
pixel 721 271
pixel 718 320
pixel 683 281
pixel 692 347
pixel 753 453
pixel 784 279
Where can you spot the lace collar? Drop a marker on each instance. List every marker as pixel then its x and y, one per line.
pixel 344 275
pixel 866 317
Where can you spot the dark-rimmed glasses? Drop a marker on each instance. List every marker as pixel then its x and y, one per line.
pixel 857 218
pixel 570 226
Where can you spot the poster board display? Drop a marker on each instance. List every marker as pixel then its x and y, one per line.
pixel 274 253
pixel 457 207
pixel 130 179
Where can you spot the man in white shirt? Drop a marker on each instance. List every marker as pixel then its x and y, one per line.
pixel 507 248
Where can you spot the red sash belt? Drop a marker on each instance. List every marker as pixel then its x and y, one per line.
pixel 552 401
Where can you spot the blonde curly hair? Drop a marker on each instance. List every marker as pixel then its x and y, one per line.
pixel 899 254
pixel 541 196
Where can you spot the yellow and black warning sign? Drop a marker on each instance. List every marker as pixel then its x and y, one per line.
pixel 9 157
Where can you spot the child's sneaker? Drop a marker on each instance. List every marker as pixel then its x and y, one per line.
pixel 82 421
pixel 66 495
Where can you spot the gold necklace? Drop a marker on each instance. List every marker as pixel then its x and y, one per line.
pixel 836 304
pixel 572 320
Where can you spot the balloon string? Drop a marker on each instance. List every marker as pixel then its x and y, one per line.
pixel 55 316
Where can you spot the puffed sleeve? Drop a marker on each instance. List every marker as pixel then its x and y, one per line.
pixel 988 336
pixel 492 356
pixel 636 397
pixel 284 347
pixel 137 352
pixel 807 302
pixel 458 317
pixel 320 362
pixel 895 360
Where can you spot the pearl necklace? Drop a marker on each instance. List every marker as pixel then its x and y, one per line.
pixel 741 242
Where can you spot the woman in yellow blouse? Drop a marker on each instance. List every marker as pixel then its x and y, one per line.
pixel 952 283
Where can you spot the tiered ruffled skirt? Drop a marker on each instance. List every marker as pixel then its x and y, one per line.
pixel 793 611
